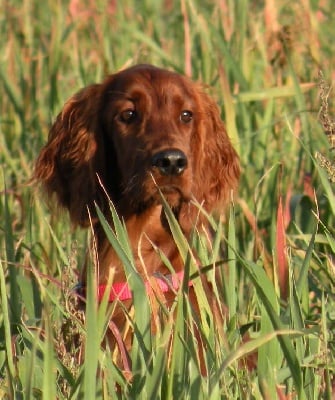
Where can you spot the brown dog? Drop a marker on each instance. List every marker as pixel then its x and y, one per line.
pixel 141 132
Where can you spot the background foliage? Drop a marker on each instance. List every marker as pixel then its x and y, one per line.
pixel 262 61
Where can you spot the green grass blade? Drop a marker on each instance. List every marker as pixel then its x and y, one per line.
pixel 272 93
pixel 7 331
pixel 232 267
pixel 93 339
pixel 14 290
pixel 266 294
pixel 49 383
pixel 120 242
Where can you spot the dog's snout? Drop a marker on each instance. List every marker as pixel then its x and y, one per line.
pixel 170 162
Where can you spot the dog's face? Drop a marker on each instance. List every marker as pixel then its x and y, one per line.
pixel 141 131
pixel 150 117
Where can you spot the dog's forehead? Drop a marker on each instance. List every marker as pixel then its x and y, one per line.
pixel 150 80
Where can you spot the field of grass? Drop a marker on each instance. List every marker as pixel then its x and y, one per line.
pixel 270 66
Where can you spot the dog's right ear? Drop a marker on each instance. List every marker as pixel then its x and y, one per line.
pixel 70 162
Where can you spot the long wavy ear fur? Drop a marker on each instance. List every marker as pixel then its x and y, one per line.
pixel 216 160
pixel 68 165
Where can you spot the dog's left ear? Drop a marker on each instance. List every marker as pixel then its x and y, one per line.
pixel 217 163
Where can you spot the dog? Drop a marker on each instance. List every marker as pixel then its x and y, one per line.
pixel 143 134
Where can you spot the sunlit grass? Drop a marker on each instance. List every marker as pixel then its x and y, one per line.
pixel 272 336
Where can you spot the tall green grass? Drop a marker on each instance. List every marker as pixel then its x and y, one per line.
pixel 272 334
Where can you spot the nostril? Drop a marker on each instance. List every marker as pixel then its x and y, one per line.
pixel 169 162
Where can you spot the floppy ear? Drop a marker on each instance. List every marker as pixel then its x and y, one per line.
pixel 70 161
pixel 216 159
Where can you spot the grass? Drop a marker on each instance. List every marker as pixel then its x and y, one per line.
pixel 262 61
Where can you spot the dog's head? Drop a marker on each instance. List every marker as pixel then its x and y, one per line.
pixel 142 130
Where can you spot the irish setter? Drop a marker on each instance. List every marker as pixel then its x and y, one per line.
pixel 142 133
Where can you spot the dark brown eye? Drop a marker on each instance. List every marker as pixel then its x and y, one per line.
pixel 186 116
pixel 128 115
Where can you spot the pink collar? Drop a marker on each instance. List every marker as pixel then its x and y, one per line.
pixel 121 290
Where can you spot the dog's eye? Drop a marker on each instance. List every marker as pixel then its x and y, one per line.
pixel 186 116
pixel 128 115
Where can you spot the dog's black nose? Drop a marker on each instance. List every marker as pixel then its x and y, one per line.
pixel 169 162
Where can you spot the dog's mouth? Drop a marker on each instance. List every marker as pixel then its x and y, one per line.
pixel 174 200
pixel 175 192
pixel 172 194
pixel 174 197
pixel 164 218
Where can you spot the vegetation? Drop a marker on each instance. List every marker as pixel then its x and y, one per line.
pixel 262 61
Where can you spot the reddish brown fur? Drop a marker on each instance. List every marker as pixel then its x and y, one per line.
pixel 89 140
